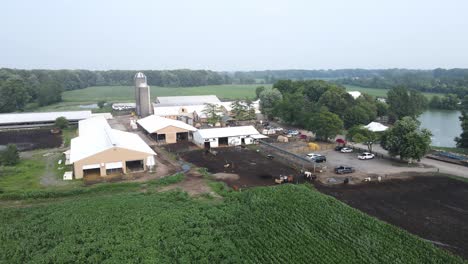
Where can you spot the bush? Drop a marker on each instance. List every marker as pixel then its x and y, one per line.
pixel 10 156
pixel 61 122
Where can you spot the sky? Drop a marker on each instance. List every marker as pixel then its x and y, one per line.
pixel 233 35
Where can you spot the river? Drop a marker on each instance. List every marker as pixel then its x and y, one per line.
pixel 444 125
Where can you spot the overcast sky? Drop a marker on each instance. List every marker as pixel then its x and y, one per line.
pixel 233 35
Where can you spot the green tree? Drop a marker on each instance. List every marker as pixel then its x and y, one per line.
pixel 360 134
pixel 101 104
pixel 10 156
pixel 61 122
pixel 435 102
pixel 13 95
pixel 243 109
pixel 382 108
pixel 258 91
pixel 269 98
pixel 49 92
pixel 213 113
pixel 462 140
pixel 325 125
pixel 405 103
pixel 406 139
pixel 337 100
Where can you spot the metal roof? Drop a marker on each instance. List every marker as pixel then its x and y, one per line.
pixel 152 124
pixel 15 118
pixel 95 135
pixel 186 100
pixel 227 132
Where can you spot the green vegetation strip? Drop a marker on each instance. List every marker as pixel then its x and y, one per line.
pixel 91 190
pixel 283 224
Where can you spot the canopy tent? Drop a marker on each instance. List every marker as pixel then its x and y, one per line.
pixel 340 141
pixel 376 127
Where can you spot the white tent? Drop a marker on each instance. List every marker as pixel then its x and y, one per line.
pixel 376 127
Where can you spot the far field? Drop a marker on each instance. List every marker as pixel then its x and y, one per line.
pixel 125 93
pixel 91 95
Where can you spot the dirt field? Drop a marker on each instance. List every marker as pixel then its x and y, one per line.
pixel 253 168
pixel 29 139
pixel 434 208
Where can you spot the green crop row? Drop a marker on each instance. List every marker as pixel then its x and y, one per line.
pixel 282 224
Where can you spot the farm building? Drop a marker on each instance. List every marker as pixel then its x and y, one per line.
pixel 165 130
pixel 192 114
pixel 28 120
pixel 355 94
pixel 100 150
pixel 186 100
pixel 226 136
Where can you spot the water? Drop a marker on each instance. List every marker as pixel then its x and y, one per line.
pixel 444 125
pixel 89 106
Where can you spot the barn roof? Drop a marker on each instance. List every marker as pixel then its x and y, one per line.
pixel 95 136
pixel 227 132
pixel 15 118
pixel 186 100
pixel 152 124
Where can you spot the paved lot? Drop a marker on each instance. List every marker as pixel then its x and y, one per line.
pixel 379 166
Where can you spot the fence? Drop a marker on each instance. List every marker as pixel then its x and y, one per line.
pixel 289 158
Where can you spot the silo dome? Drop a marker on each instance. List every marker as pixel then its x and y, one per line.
pixel 140 80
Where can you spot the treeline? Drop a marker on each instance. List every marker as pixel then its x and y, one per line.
pixel 454 81
pixel 326 108
pixel 22 88
pixel 319 106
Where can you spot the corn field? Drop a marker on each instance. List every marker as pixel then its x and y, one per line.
pixel 282 224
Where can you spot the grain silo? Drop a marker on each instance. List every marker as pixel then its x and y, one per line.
pixel 144 107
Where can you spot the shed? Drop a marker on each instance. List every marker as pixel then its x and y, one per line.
pixel 166 130
pixel 19 120
pixel 226 136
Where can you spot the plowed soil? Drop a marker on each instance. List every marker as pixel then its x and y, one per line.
pixel 254 169
pixel 434 208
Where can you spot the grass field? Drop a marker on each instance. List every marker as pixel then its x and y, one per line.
pixel 91 95
pixel 283 224
pixel 21 177
pixel 125 93
pixel 380 92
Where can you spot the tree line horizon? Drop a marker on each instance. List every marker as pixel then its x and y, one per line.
pixel 19 87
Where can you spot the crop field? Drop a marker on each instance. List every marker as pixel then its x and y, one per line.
pixel 380 92
pixel 123 93
pixel 73 100
pixel 282 224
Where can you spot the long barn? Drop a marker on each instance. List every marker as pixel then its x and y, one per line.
pixel 226 136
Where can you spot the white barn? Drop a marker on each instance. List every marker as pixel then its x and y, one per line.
pixel 226 136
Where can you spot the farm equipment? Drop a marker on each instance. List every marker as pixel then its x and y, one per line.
pixel 284 179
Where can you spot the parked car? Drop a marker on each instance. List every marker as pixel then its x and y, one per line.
pixel 346 150
pixel 320 159
pixel 293 132
pixel 366 156
pixel 338 148
pixel 312 156
pixel 344 169
pixel 279 129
